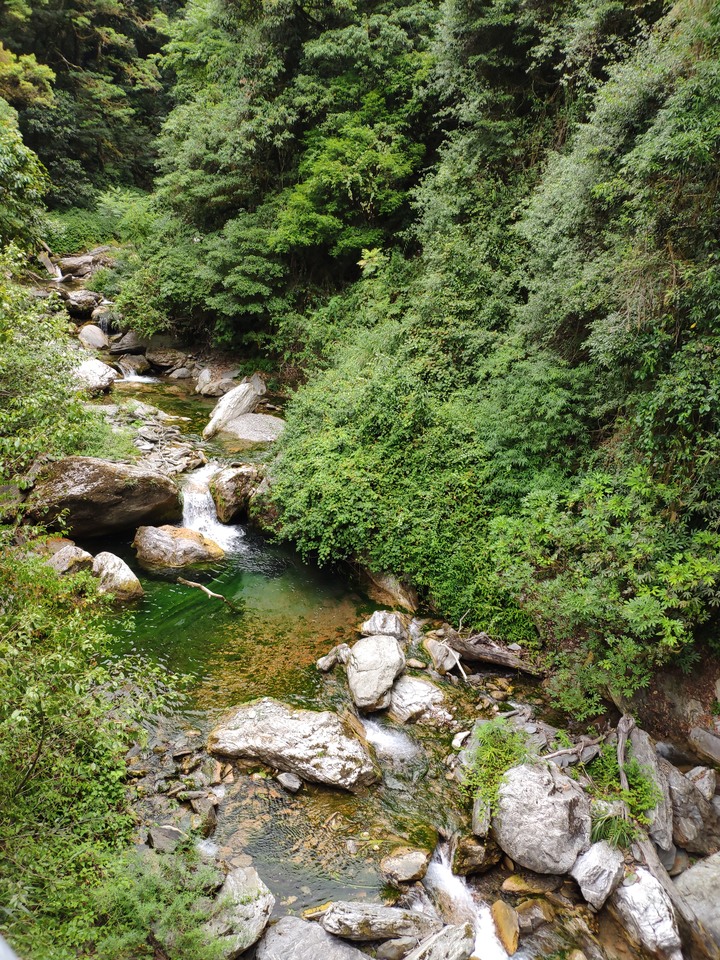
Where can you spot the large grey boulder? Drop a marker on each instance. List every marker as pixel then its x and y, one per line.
pixel 416 700
pixel 232 490
pixel 129 343
pixel 451 943
pixel 696 826
pixel 599 872
pixel 705 779
pixel 101 497
pixel 374 921
pixel 70 559
pixel 116 578
pixel 174 547
pixel 661 816
pixel 81 303
pixel 214 384
pixel 645 911
pixel 372 667
pixel 244 905
pixel 94 376
pixel 385 623
pixel 235 403
pixel 317 746
pixel 294 939
pixel 700 887
pixel 254 428
pixel 542 820
pixel 92 337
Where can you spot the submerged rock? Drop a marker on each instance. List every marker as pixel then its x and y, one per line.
pixel 174 547
pixel 101 497
pixel 95 376
pixel 543 818
pixel 70 559
pixel 294 939
pixel 244 908
pixel 644 910
pixel 374 921
pixel 232 490
pixel 372 667
pixel 235 403
pixel 598 872
pixel 116 577
pixel 317 746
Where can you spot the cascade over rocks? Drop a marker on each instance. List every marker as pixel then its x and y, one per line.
pixel 244 908
pixel 174 547
pixel 372 667
pixel 317 746
pixel 542 820
pixel 102 497
pixel 294 939
pixel 133 363
pixel 373 921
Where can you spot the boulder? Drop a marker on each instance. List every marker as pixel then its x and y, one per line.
pixel 95 376
pixel 254 428
pixel 241 400
pixel 470 855
pixel 599 871
pixel 317 746
pixel 244 905
pixel 174 547
pixel 451 943
pixel 182 373
pixel 700 887
pixel 705 779
pixel 661 816
pixel 294 939
pixel 165 357
pixel 165 838
pixel 70 559
pixel 212 384
pixel 129 343
pixel 232 489
pixel 116 577
pixel 133 363
pixel 83 264
pixel 92 337
pixel 405 865
pixel 696 826
pixel 533 914
pixel 507 925
pixel 542 820
pixel 374 921
pixel 414 699
pixel 101 497
pixel 644 910
pixel 386 624
pixel 338 654
pixel 372 667
pixel 81 303
pixel 705 744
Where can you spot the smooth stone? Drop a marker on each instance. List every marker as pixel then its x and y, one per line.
pixel 294 939
pixel 417 700
pixel 317 746
pixel 95 376
pixel 374 921
pixel 235 403
pixel 338 654
pixel 182 373
pixel 165 838
pixel 174 547
pixel 705 744
pixel 70 559
pixel 645 911
pixel 598 872
pixel 244 908
pixel 395 949
pixel 254 428
pixel 116 578
pixel 129 343
pixel 506 925
pixel 289 781
pixel 385 623
pixel 405 865
pixel 372 667
pixel 92 337
pixel 451 943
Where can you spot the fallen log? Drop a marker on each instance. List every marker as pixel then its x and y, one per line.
pixel 480 647
pixel 215 596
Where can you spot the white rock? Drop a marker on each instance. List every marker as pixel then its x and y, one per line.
pixel 95 376
pixel 70 559
pixel 645 911
pixel 452 943
pixel 705 779
pixel 415 699
pixel 252 428
pixel 372 667
pixel 700 886
pixel 599 872
pixel 244 908
pixel 116 577
pixel 338 654
pixel 243 399
pixel 386 624
pixel 374 921
pixel 294 939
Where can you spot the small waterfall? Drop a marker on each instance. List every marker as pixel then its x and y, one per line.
pixel 390 744
pixel 199 510
pixel 456 904
pixel 130 377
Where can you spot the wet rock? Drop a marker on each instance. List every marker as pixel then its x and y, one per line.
pixel 374 921
pixel 470 855
pixel 372 667
pixel 174 547
pixel 661 816
pixel 236 403
pixel 384 623
pixel 599 872
pixel 116 578
pixel 481 817
pixel 696 826
pixel 133 364
pixel 101 497
pixel 533 914
pixel 644 910
pixel 317 746
pixel 705 779
pixel 387 589
pixel 338 654
pixel 70 559
pixel 416 664
pixel 395 949
pixel 451 943
pixel 506 925
pixel 415 699
pixel 700 887
pixel 92 337
pixel 705 744
pixel 129 343
pixel 95 376
pixel 81 303
pixel 232 490
pixel 543 818
pixel 405 865
pixel 294 939
pixel 289 781
pixel 84 264
pixel 680 863
pixel 165 838
pixel 244 908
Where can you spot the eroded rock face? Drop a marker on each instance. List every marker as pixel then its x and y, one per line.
pixel 696 826
pixel 294 939
pixel 95 376
pixel 232 490
pixel 133 363
pixel 644 910
pixel 70 559
pixel 235 403
pixel 415 700
pixel 598 872
pixel 129 343
pixel 174 547
pixel 452 943
pixel 373 921
pixel 700 886
pixel 372 667
pixel 543 818
pixel 245 905
pixel 101 497
pixel 317 746
pixel 116 577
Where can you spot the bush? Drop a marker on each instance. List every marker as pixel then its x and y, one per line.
pixel 496 747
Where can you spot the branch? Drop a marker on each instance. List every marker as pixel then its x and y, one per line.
pixel 624 728
pixel 209 593
pixel 479 647
pixel 576 748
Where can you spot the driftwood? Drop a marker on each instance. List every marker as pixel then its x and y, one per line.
pixel 624 729
pixel 480 647
pixel 576 750
pixel 209 593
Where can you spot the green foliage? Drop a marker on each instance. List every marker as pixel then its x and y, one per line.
pixel 642 796
pixel 118 216
pixel 23 184
pixel 495 748
pixel 614 829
